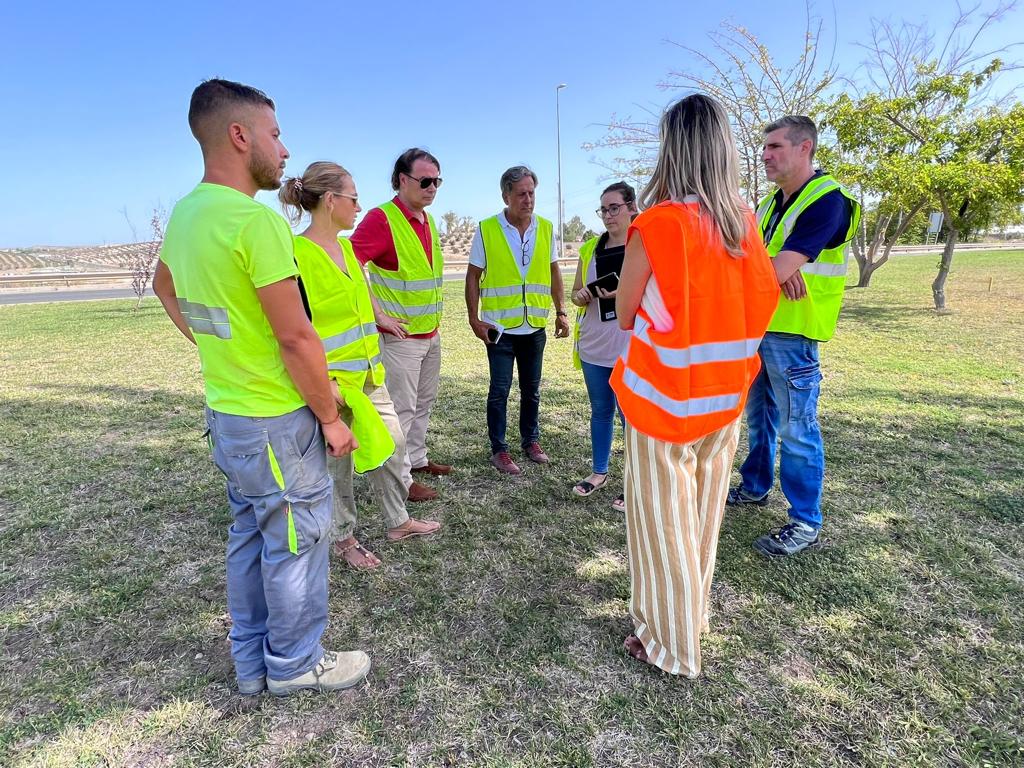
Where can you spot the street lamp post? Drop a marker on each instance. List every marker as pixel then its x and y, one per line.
pixel 558 146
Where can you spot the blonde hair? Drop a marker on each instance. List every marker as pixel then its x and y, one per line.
pixel 698 157
pixel 304 193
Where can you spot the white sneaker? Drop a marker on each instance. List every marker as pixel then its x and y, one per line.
pixel 334 672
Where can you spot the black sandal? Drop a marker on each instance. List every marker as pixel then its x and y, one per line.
pixel 585 487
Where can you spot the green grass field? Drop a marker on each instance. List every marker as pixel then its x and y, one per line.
pixel 498 643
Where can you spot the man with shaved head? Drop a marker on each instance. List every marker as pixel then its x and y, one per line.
pixel 226 278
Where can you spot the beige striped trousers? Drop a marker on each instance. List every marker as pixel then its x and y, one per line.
pixel 675 498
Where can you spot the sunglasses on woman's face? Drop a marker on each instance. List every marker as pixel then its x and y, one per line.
pixel 426 181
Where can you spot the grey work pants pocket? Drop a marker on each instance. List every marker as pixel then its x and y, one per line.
pixel 245 459
pixel 309 517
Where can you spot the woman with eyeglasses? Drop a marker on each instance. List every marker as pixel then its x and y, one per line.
pixel 697 290
pixel 598 340
pixel 338 301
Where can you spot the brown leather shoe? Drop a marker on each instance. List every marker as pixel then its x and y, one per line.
pixel 432 468
pixel 420 492
pixel 535 453
pixel 502 461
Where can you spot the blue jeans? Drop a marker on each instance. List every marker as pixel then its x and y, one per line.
pixel 527 352
pixel 783 404
pixel 602 413
pixel 280 497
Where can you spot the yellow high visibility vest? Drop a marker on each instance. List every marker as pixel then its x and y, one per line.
pixel 342 316
pixel 415 291
pixel 814 316
pixel 506 298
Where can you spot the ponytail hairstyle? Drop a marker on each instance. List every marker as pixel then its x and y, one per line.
pixel 698 157
pixel 301 194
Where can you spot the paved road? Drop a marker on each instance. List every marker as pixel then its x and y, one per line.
pixel 86 294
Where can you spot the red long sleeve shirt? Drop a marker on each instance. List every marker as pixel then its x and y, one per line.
pixel 372 241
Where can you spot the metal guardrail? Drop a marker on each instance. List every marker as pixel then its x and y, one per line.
pixel 938 247
pixel 69 278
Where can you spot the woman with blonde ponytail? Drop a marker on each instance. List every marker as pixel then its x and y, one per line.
pixel 343 313
pixel 697 290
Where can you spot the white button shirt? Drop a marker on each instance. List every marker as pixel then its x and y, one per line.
pixel 519 244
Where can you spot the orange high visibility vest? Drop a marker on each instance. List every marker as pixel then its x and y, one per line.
pixel 680 385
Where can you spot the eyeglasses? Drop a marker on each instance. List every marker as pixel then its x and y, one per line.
pixel 426 181
pixel 526 259
pixel 611 210
pixel 353 198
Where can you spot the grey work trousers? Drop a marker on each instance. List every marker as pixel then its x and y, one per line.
pixel 280 497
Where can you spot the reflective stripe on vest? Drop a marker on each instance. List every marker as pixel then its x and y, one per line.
pixel 354 365
pixel 406 285
pixel 815 316
pixel 393 308
pixel 697 354
pixel 347 337
pixel 203 319
pixel 342 313
pixel 415 291
pixel 505 295
pixel 694 406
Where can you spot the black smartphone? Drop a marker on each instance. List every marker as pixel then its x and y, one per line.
pixel 609 282
pixel 493 334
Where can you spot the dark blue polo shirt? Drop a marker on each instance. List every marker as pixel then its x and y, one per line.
pixel 823 224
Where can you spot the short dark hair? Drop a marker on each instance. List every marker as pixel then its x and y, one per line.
pixel 514 175
pixel 213 96
pixel 405 160
pixel 628 193
pixel 798 128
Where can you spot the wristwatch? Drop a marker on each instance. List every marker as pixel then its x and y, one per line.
pixel 560 313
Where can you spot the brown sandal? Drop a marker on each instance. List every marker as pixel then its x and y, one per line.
pixel 413 527
pixel 368 557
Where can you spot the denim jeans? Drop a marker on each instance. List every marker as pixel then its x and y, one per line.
pixel 280 498
pixel 783 404
pixel 602 413
pixel 527 352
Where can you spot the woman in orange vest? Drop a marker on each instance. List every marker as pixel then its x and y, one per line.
pixel 697 289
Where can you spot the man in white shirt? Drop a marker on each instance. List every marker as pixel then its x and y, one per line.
pixel 511 284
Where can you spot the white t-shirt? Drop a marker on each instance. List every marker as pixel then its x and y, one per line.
pixel 518 244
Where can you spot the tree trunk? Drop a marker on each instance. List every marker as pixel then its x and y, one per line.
pixel 866 271
pixel 939 285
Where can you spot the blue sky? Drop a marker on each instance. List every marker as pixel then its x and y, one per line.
pixel 96 94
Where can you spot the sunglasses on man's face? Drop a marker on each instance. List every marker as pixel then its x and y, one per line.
pixel 426 181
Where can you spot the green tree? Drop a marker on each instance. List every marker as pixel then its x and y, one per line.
pixel 900 59
pixel 930 144
pixel 451 222
pixel 754 86
pixel 574 229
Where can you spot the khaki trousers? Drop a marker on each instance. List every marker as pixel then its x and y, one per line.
pixel 675 498
pixel 386 480
pixel 413 371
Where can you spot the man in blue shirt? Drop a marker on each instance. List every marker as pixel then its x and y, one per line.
pixel 783 400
